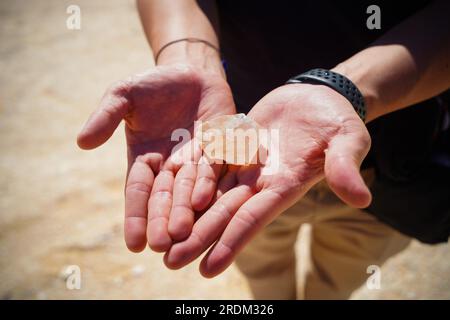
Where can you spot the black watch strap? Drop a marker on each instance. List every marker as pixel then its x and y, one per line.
pixel 337 82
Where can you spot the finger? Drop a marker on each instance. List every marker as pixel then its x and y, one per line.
pixel 159 206
pixel 226 183
pixel 137 192
pixel 342 168
pixel 208 228
pixel 248 220
pixel 102 122
pixel 205 184
pixel 181 218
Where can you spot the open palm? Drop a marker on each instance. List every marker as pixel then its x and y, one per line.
pixel 161 194
pixel 320 135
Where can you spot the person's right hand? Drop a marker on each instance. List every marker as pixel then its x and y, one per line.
pixel 160 194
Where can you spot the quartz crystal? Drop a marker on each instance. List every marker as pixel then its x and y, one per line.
pixel 230 138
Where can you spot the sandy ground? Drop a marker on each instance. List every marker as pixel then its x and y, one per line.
pixel 60 206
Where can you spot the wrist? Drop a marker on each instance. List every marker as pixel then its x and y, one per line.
pixel 359 75
pixel 337 82
pixel 196 54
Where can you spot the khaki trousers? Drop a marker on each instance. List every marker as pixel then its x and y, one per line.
pixel 343 243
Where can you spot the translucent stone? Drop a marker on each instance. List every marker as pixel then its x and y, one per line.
pixel 230 138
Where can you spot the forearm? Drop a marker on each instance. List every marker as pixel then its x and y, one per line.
pixel 407 65
pixel 164 21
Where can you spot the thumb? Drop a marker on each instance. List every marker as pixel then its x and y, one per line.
pixel 102 122
pixel 342 163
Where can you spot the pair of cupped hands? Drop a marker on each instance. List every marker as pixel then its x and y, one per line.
pixel 184 209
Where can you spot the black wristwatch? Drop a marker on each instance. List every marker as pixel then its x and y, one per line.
pixel 338 83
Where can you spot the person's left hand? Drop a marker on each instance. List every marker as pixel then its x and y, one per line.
pixel 320 135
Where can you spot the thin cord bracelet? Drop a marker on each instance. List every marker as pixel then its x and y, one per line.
pixel 191 40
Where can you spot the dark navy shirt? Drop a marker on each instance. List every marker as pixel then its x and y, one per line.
pixel 264 43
